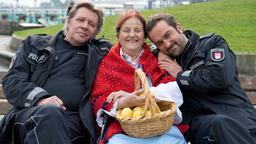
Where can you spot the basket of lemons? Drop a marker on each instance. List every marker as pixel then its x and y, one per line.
pixel 150 120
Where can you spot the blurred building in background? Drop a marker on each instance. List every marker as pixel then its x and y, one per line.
pixel 53 12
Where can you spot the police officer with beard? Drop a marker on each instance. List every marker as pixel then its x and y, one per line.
pixel 49 83
pixel 215 107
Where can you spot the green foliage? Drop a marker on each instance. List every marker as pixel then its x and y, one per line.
pixel 235 20
pixel 52 30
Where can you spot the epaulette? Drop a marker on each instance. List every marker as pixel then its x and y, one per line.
pixel 102 40
pixel 41 40
pixel 207 35
pixel 154 50
pixel 103 45
pixel 40 36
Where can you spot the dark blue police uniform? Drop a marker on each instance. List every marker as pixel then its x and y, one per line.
pixel 45 66
pixel 215 106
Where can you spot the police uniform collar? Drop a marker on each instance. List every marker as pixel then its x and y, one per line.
pixel 102 45
pixel 192 40
pixel 191 44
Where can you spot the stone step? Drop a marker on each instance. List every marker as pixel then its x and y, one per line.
pixel 1 116
pixel 4 106
pixel 2 74
pixel 1 92
pixel 246 63
pixel 248 83
pixel 252 97
pixel 6 53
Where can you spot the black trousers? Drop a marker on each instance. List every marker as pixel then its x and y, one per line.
pixel 219 129
pixel 48 125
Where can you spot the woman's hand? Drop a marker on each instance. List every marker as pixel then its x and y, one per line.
pixel 126 99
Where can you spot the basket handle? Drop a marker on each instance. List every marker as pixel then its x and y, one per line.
pixel 150 103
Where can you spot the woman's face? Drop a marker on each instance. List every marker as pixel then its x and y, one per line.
pixel 131 35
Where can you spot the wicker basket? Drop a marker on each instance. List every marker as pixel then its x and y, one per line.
pixel 162 114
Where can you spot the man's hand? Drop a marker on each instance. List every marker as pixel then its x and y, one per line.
pixel 54 100
pixel 171 66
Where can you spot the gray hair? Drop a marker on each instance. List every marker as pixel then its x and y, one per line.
pixel 89 6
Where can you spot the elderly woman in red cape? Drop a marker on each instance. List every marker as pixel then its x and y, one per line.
pixel 114 84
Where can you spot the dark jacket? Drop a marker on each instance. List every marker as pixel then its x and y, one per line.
pixel 209 81
pixel 31 67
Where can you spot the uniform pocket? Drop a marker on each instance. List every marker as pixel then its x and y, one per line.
pixel 79 60
pixel 18 133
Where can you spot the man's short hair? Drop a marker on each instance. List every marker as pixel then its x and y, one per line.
pixel 154 19
pixel 89 6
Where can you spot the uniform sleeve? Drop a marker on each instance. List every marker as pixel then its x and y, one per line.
pixel 17 88
pixel 215 72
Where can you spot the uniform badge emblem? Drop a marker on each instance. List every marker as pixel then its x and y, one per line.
pixel 217 54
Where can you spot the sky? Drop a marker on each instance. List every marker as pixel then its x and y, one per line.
pixel 24 2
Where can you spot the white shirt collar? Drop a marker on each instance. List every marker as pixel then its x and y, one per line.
pixel 128 59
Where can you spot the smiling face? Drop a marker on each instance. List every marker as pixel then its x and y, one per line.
pixel 81 27
pixel 131 35
pixel 169 40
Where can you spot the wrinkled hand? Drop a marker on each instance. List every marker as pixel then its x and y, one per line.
pixel 171 66
pixel 126 99
pixel 54 100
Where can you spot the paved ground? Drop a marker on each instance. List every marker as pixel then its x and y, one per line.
pixel 2 68
pixel 4 39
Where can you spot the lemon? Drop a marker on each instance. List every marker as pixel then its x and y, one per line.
pixel 126 113
pixel 138 109
pixel 137 113
pixel 142 94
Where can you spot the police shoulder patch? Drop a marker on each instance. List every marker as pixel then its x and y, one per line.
pixel 217 54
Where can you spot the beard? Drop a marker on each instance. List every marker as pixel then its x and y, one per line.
pixel 173 50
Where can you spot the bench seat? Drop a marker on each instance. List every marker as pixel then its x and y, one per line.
pixel 247 83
